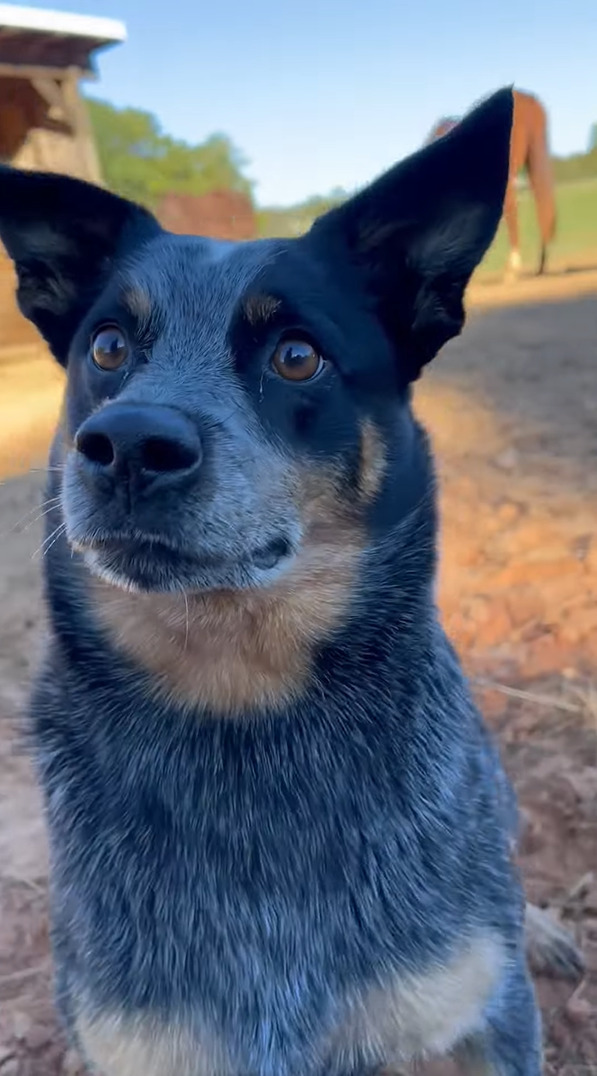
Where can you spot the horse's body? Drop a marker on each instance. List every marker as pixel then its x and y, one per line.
pixel 529 150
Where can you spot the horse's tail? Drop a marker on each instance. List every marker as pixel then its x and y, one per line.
pixel 541 180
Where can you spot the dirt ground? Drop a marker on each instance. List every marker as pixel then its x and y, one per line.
pixel 512 408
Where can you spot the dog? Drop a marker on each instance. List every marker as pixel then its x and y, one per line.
pixel 281 838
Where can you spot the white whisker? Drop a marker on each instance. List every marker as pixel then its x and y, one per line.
pixel 42 509
pixel 49 541
pixel 60 531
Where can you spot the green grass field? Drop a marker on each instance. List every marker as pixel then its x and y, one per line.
pixel 575 244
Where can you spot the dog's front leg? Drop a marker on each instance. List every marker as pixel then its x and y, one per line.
pixel 510 1042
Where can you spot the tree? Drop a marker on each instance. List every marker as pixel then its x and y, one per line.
pixel 295 220
pixel 577 166
pixel 593 138
pixel 140 162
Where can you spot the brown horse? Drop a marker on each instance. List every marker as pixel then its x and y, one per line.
pixel 529 150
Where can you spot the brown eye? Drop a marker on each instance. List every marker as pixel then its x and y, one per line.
pixel 296 360
pixel 109 348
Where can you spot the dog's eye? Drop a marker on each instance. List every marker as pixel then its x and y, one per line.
pixel 296 360
pixel 109 348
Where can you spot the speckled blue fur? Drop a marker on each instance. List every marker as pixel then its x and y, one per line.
pixel 249 872
pixel 253 866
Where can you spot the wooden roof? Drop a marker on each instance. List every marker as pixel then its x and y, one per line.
pixel 32 38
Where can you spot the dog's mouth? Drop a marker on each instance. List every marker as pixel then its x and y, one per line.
pixel 155 564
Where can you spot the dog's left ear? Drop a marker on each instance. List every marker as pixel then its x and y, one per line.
pixel 64 236
pixel 415 235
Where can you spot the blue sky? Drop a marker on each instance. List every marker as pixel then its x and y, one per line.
pixel 325 93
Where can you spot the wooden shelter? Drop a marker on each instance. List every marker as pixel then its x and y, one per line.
pixel 218 215
pixel 43 119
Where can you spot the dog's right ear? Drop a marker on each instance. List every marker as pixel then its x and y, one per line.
pixel 64 236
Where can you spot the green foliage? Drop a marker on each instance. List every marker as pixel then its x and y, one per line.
pixel 140 162
pixel 575 243
pixel 295 220
pixel 578 166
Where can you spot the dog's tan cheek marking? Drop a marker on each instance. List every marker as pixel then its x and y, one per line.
pixel 233 651
pixel 223 655
pixel 420 1015
pixel 373 461
pixel 142 1047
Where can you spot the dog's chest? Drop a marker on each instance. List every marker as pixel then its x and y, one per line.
pixel 232 915
pixel 406 1017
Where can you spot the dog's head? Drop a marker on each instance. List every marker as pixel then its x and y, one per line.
pixel 234 410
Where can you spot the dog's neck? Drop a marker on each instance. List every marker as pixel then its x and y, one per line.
pixel 237 652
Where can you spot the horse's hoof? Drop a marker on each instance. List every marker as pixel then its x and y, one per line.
pixel 513 267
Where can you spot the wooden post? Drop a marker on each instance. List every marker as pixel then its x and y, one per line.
pixel 78 116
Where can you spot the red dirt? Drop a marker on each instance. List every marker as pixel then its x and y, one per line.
pixel 512 408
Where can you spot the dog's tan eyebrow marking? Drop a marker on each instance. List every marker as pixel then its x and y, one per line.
pixel 259 308
pixel 137 301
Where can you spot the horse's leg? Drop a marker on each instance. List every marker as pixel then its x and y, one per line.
pixel 514 263
pixel 541 177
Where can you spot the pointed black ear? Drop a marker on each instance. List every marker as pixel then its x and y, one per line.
pixel 417 233
pixel 63 236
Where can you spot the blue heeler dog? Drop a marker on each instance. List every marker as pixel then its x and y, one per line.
pixel 281 839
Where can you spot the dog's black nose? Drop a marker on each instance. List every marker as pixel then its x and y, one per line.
pixel 144 444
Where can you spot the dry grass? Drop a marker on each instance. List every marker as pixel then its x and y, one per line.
pixel 573 698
